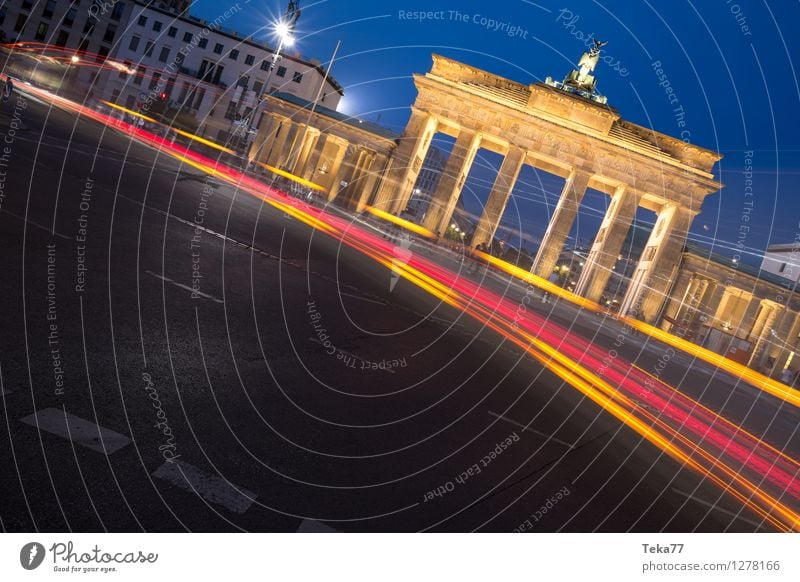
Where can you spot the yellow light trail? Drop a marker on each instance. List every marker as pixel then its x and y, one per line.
pixel 401 222
pixel 293 177
pixel 757 379
pixel 203 140
pixel 129 111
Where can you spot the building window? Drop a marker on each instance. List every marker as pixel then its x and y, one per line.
pixel 148 48
pixel 111 30
pixel 782 268
pixel 243 81
pixel 41 31
pixel 88 28
pixel 141 73
pixel 157 25
pixel 142 20
pixel 230 112
pixel 130 102
pixel 49 6
pixel 265 65
pixel 187 37
pixel 179 57
pixel 297 77
pixel 116 12
pixel 281 72
pixel 233 55
pixel 134 44
pixel 203 43
pixel 63 36
pixel 123 74
pixel 154 80
pixel 164 54
pixel 172 31
pixel 218 48
pixel 102 53
pixel 69 17
pixel 20 24
pixel 27 4
pixel 249 60
pixel 258 88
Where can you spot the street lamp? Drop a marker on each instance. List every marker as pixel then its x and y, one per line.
pixel 284 30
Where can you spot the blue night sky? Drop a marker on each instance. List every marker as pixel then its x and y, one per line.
pixel 730 65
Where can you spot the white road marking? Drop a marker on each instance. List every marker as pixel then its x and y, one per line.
pixel 80 431
pixel 361 298
pixel 186 287
pixel 212 488
pixel 312 526
pixel 529 429
pixel 717 508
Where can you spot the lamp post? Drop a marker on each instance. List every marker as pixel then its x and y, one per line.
pixel 284 29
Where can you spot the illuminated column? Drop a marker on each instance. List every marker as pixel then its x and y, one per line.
pixel 372 173
pixel 265 138
pixel 407 160
pixel 607 244
pixel 654 274
pixel 309 141
pixel 312 164
pixel 276 150
pixel 498 198
pixel 348 174
pixel 444 200
pixel 786 342
pixel 561 223
pixel 331 184
pixel 761 335
pixel 290 142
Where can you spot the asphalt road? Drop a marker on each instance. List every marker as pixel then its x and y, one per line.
pixel 250 373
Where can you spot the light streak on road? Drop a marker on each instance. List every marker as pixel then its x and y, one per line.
pixel 750 470
pixel 401 222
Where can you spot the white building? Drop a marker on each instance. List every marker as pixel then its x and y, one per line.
pixel 156 51
pixel 783 260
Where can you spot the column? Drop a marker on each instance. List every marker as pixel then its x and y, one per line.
pixel 407 160
pixel 498 198
pixel 607 244
pixel 310 137
pixel 762 335
pixel 332 183
pixel 350 173
pixel 372 173
pixel 443 201
pixel 312 164
pixel 660 259
pixel 561 223
pixel 283 159
pixel 786 342
pixel 261 145
pixel 274 154
pixel 677 299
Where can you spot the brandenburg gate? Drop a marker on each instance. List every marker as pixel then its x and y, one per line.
pixel 567 129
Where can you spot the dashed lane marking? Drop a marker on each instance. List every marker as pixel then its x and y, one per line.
pixel 312 526
pixel 83 432
pixel 186 287
pixel 212 488
pixel 529 429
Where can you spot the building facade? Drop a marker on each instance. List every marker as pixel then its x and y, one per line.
pixel 134 53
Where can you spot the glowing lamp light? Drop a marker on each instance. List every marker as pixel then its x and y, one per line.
pixel 75 59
